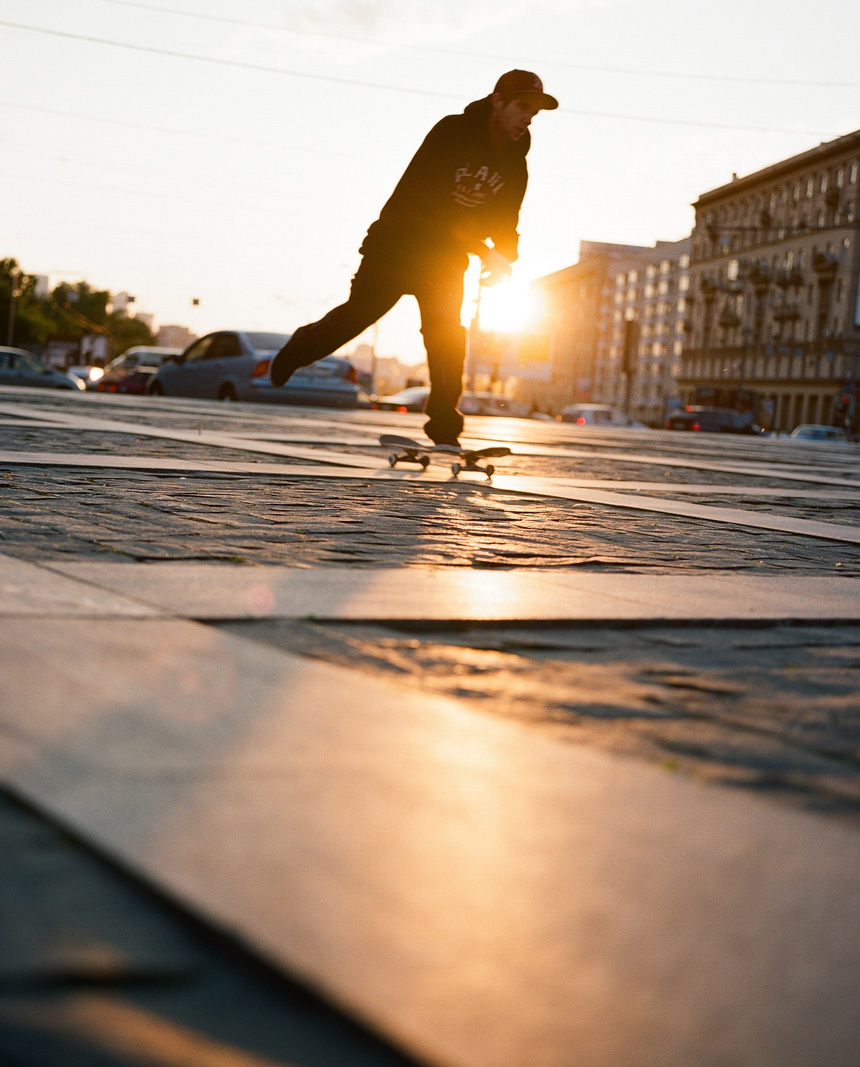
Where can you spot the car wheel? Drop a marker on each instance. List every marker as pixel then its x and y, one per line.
pixel 227 393
pixel 156 389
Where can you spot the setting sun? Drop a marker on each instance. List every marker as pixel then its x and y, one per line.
pixel 505 307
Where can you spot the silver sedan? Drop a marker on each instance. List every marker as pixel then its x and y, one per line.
pixel 234 365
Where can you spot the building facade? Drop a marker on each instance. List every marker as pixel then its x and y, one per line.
pixel 175 337
pixel 774 308
pixel 572 303
pixel 641 336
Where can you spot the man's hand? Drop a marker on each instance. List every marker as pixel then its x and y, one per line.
pixel 494 267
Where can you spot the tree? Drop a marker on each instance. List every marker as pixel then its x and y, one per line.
pixel 71 312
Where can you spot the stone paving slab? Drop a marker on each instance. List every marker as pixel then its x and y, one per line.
pixel 477 892
pixel 29 590
pixel 683 509
pixel 112 461
pixel 68 513
pixel 213 439
pixel 97 971
pixel 213 591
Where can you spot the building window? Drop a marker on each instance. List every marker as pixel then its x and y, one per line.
pixel 853 174
pixel 810 188
pixel 840 177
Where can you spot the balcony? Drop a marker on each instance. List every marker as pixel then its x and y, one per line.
pixel 789 277
pixel 825 264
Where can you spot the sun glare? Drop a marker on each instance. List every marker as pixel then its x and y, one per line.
pixel 505 307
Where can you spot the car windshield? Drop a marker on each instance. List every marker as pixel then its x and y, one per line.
pixel 267 342
pixel 30 364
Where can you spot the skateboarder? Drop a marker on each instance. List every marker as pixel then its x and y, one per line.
pixel 460 195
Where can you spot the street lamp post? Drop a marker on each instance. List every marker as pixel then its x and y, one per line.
pixel 15 291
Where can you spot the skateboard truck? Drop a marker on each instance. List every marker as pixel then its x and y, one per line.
pixel 470 458
pixel 406 450
pixel 467 459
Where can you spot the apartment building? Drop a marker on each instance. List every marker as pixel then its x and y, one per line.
pixel 572 303
pixel 641 336
pixel 773 302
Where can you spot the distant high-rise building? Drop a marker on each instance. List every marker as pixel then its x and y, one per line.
pixel 175 336
pixel 640 340
pixel 614 328
pixel 571 303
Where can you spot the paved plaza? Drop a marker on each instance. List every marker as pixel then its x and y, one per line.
pixel 555 769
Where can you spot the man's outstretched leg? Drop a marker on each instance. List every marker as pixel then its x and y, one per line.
pixel 373 293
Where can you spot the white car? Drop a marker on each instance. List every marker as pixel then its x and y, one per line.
pixel 599 415
pixel 491 404
pixel 812 432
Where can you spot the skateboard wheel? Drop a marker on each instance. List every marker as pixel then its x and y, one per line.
pixel 455 469
pixel 424 461
pixel 392 460
pixel 490 470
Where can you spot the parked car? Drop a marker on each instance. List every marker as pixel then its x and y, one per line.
pixel 712 420
pixel 234 365
pixel 88 375
pixel 412 399
pixel 599 415
pixel 813 432
pixel 18 367
pixel 491 404
pixel 131 372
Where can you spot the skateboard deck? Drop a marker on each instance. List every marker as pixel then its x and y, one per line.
pixel 465 459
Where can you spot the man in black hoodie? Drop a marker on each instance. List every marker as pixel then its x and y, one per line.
pixel 460 195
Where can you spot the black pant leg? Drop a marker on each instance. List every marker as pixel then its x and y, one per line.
pixel 440 298
pixel 375 289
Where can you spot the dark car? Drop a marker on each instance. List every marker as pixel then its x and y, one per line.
pixel 234 365
pixel 18 367
pixel 130 372
pixel 712 420
pixel 412 399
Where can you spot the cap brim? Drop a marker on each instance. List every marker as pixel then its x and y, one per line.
pixel 544 100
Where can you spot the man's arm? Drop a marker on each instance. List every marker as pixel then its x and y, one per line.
pixel 495 267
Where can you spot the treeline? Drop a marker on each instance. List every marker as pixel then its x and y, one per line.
pixel 69 313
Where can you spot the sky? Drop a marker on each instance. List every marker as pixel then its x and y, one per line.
pixel 235 154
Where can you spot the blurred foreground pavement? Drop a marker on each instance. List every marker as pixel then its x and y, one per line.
pixel 312 761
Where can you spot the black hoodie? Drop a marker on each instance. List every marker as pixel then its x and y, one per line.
pixel 458 190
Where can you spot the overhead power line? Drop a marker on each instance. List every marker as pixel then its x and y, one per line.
pixel 283 72
pixel 408 46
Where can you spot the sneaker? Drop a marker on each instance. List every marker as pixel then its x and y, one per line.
pixel 448 444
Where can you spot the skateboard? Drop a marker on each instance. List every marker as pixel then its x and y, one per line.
pixel 406 450
pixel 412 452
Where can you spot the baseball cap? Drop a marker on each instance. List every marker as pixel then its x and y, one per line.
pixel 523 81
